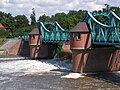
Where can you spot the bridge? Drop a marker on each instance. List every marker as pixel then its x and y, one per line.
pixel 56 35
pixel 95 46
pixel 46 42
pixel 105 31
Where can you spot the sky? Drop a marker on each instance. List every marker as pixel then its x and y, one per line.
pixel 50 7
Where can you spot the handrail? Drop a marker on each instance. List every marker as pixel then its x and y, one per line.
pixel 98 21
pixel 101 14
pixel 115 15
pixel 55 36
pixel 103 34
pixel 59 26
pixel 44 27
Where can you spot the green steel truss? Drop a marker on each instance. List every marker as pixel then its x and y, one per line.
pixel 57 35
pixel 106 32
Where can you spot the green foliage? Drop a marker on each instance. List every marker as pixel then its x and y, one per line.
pixel 14 26
pixel 21 21
pixel 3 34
pixel 2 40
pixel 19 25
pixel 49 26
pixel 54 49
pixel 23 31
pixel 67 21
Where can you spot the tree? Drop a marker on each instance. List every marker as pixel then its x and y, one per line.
pixel 44 18
pixel 33 19
pixel 107 8
pixel 67 21
pixel 21 21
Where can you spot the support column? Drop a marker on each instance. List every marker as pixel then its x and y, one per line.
pixel 96 60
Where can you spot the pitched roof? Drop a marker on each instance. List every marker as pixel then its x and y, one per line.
pixel 81 27
pixel 34 32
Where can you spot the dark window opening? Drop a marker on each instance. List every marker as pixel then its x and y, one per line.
pixel 33 37
pixel 78 36
pixel 73 36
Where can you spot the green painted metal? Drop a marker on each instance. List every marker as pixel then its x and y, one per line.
pixel 57 35
pixel 106 32
pixel 25 37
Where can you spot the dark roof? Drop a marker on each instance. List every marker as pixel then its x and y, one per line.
pixel 34 32
pixel 81 27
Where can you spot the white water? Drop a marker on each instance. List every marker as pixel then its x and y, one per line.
pixel 73 75
pixel 24 66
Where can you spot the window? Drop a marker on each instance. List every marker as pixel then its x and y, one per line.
pixel 33 37
pixel 73 36
pixel 78 36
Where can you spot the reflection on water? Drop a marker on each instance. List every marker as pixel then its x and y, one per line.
pixel 98 81
pixel 113 78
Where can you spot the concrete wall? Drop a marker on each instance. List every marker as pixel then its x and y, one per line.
pixel 96 60
pixel 24 49
pixel 39 51
pixel 66 48
pixel 15 48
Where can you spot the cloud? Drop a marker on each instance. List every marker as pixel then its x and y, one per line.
pixel 50 7
pixel 45 3
pixel 102 2
pixel 19 1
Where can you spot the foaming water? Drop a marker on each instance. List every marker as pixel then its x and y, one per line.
pixel 22 65
pixel 73 75
pixel 53 74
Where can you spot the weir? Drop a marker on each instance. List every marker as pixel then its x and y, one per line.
pixel 46 43
pixel 94 44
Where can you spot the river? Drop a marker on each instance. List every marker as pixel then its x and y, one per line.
pixel 24 74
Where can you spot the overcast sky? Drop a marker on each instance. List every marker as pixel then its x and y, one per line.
pixel 50 7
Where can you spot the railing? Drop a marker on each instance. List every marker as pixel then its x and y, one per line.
pixel 25 37
pixel 103 34
pixel 57 35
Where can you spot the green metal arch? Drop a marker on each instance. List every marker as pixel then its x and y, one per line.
pixel 57 35
pixel 103 34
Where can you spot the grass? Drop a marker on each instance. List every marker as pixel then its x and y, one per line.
pixel 2 41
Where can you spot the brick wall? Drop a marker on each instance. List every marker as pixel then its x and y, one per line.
pixel 15 48
pixel 66 48
pixel 37 51
pixel 96 60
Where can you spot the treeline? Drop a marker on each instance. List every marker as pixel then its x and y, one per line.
pixel 14 26
pixel 69 20
pixel 20 25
